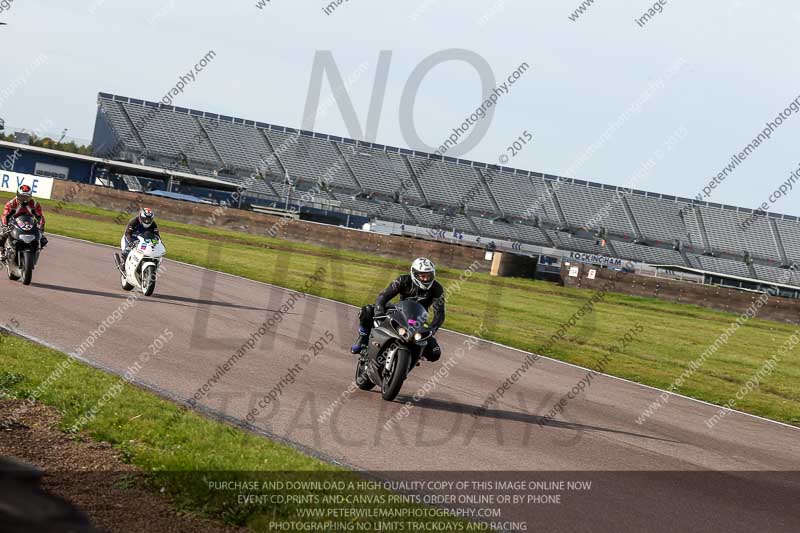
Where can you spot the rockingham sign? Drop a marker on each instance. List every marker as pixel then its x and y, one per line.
pixel 595 258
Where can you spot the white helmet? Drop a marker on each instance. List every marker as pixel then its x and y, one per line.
pixel 423 272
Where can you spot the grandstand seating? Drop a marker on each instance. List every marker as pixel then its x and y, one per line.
pixel 531 235
pixel 777 275
pixel 497 229
pixel 446 184
pixel 425 190
pixel 717 264
pixel 566 241
pixel 513 195
pixel 661 220
pixel 373 169
pixel 543 200
pixel 594 207
pixel 235 144
pixel 790 235
pixel 649 254
pixel 113 113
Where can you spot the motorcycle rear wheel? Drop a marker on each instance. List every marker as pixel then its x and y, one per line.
pixel 8 264
pixel 362 380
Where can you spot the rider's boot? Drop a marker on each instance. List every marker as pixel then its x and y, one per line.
pixel 120 259
pixel 363 338
pixel 123 257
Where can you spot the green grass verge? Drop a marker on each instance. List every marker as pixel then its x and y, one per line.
pixel 520 313
pixel 178 450
pixel 136 422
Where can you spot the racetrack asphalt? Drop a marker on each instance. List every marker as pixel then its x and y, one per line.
pixel 76 287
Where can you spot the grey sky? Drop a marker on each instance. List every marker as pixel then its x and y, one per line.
pixel 739 73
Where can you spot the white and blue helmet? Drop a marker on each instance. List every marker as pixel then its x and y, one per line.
pixel 423 272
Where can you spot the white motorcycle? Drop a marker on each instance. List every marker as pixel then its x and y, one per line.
pixel 141 266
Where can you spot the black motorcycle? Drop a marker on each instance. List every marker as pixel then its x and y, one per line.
pixel 394 348
pixel 22 248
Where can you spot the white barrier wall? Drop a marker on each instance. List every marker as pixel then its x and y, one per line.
pixel 42 187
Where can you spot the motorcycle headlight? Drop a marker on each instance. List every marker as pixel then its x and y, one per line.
pixel 402 331
pixel 27 238
pixel 418 336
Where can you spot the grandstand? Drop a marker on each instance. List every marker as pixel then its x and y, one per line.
pixel 278 164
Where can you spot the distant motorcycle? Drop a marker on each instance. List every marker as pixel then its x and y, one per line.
pixel 394 348
pixel 141 267
pixel 22 248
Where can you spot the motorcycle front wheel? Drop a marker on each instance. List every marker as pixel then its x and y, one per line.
pixel 148 280
pixel 27 268
pixel 394 378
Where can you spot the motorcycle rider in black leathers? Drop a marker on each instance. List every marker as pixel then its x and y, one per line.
pixel 144 222
pixel 419 286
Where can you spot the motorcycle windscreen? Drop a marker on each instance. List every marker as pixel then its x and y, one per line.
pixel 24 229
pixel 25 222
pixel 151 245
pixel 410 315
